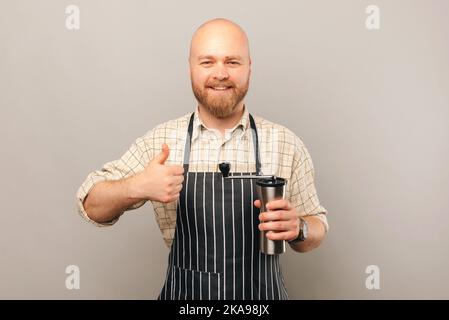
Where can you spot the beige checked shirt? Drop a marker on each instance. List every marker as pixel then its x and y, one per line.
pixel 282 153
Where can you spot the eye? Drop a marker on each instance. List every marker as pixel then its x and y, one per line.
pixel 234 63
pixel 206 63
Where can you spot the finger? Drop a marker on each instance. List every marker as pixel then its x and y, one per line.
pixel 173 198
pixel 178 189
pixel 174 189
pixel 277 215
pixel 277 226
pixel 175 180
pixel 257 203
pixel 289 235
pixel 279 204
pixel 176 170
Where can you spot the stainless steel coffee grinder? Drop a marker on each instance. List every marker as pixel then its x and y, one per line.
pixel 269 188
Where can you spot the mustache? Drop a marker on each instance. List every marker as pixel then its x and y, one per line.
pixel 220 84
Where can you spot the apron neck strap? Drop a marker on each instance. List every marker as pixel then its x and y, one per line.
pixel 189 143
pixel 256 143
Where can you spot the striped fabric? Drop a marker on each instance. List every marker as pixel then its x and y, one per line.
pixel 216 256
pixel 215 252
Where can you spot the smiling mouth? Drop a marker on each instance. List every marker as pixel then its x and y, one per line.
pixel 219 88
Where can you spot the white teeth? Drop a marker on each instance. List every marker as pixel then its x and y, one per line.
pixel 219 88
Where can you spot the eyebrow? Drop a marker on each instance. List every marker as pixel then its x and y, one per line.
pixel 226 57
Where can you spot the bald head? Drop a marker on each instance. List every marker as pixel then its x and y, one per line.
pixel 218 37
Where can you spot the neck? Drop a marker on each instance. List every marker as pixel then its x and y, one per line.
pixel 221 124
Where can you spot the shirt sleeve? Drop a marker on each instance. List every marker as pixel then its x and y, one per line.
pixel 134 160
pixel 303 194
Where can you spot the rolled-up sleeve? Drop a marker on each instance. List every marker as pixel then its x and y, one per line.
pixel 303 194
pixel 133 160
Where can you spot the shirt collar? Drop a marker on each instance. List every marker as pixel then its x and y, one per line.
pixel 198 124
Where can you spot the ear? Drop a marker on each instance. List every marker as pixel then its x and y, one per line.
pixel 188 67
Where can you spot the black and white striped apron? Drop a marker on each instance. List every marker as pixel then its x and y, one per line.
pixel 215 251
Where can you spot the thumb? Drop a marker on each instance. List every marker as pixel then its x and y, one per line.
pixel 163 156
pixel 257 203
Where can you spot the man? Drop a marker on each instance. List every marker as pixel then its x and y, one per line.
pixel 211 224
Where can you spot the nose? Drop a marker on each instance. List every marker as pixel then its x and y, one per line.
pixel 220 72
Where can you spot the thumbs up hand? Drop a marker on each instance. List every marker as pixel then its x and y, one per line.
pixel 158 181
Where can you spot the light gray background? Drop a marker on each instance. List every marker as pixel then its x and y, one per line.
pixel 371 106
